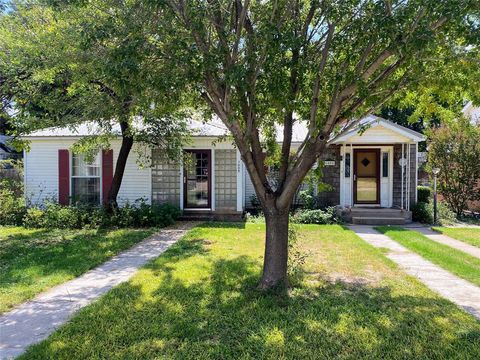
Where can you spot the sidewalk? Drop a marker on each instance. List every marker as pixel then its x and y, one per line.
pixel 455 289
pixel 446 240
pixel 35 320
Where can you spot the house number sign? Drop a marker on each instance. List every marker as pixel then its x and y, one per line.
pixel 329 163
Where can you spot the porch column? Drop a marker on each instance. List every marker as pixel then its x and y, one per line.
pixel 240 178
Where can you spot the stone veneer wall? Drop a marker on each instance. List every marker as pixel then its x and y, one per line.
pixel 225 179
pixel 165 180
pixel 397 175
pixel 331 176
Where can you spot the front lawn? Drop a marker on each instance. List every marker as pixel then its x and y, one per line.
pixel 198 301
pixel 453 260
pixel 33 260
pixel 468 235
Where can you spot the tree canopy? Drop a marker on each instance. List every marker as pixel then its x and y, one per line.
pixel 327 63
pixel 63 64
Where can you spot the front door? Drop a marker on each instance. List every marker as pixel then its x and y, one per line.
pixel 196 179
pixel 366 176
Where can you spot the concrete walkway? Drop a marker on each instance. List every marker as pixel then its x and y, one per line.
pixel 446 240
pixel 35 320
pixel 455 289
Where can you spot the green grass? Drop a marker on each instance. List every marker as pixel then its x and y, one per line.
pixel 468 235
pixel 33 260
pixel 198 301
pixel 453 260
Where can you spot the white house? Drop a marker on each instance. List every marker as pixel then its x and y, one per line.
pixel 376 167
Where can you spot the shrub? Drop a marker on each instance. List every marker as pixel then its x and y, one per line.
pixel 423 212
pixel 318 216
pixel 34 218
pixel 255 219
pixel 424 194
pixel 454 148
pixel 308 200
pixel 139 214
pixel 12 207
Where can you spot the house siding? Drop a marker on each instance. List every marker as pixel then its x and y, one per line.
pixel 331 176
pixel 41 172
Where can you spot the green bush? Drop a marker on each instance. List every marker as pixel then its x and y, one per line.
pixel 424 194
pixel 423 212
pixel 139 214
pixel 12 207
pixel 308 200
pixel 326 216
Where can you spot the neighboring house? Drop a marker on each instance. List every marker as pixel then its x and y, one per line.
pixel 472 112
pixel 363 167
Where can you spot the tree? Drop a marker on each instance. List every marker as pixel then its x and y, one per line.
pixel 454 148
pixel 262 63
pixel 65 63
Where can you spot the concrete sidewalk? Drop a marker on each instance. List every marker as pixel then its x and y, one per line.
pixel 446 240
pixel 455 289
pixel 35 320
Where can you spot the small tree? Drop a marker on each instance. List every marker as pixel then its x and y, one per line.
pixel 65 63
pixel 455 149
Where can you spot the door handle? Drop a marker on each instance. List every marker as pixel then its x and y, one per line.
pixel 354 177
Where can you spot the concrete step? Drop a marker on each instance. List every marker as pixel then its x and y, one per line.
pixel 364 220
pixel 383 213
pixel 211 216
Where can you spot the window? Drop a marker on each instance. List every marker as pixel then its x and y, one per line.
pixel 347 165
pixel 86 180
pixel 385 164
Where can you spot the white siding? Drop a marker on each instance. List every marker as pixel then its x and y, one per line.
pixel 378 135
pixel 41 172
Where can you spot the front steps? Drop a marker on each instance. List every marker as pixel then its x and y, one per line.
pixel 207 215
pixel 377 216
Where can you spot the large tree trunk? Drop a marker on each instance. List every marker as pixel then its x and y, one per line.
pixel 127 143
pixel 276 249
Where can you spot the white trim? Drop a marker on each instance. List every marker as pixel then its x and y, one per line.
pixel 239 181
pixel 402 166
pixel 244 185
pixel 416 172
pixel 377 121
pixel 342 174
pixel 343 180
pixel 181 184
pixel 25 167
pixel 212 179
pixel 71 176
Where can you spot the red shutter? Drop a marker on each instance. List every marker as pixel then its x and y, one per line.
pixel 63 177
pixel 107 173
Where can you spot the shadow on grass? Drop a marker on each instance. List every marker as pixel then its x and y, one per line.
pixel 178 311
pixel 35 261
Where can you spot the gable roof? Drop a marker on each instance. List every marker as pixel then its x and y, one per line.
pixel 215 128
pixel 212 128
pixel 371 122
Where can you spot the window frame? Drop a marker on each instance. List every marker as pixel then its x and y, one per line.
pixel 387 167
pixel 100 176
pixel 349 156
